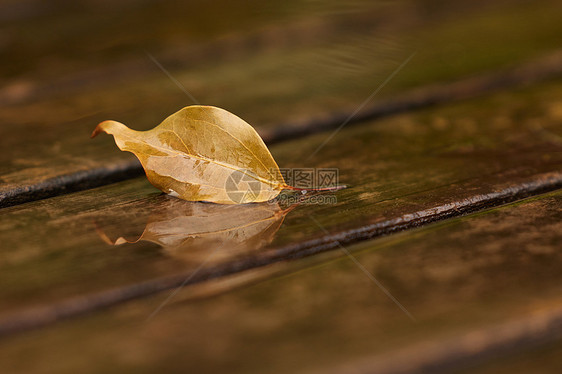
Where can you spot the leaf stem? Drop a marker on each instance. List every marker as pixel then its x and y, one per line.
pixel 321 189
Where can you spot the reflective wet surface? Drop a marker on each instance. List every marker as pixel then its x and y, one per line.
pixel 323 313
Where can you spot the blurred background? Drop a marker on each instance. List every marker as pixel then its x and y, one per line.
pixel 261 60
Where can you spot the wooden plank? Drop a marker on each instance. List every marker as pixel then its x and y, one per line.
pixel 468 282
pixel 297 88
pixel 403 172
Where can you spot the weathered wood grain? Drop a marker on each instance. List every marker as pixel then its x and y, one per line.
pixel 403 172
pixel 467 292
pixel 306 74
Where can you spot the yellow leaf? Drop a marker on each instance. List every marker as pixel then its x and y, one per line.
pixel 203 153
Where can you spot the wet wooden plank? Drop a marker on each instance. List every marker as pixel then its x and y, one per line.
pixel 403 172
pixel 337 62
pixel 464 280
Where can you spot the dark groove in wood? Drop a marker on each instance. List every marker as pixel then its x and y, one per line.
pixel 69 183
pixel 539 70
pixel 41 316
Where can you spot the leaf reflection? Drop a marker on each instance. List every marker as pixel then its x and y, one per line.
pixel 190 230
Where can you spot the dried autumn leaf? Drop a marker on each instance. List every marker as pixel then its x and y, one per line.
pixel 203 153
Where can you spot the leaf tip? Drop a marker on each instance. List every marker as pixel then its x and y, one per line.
pixel 109 127
pixel 97 130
